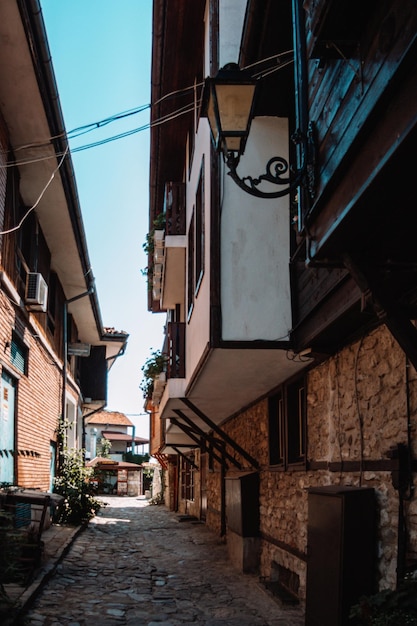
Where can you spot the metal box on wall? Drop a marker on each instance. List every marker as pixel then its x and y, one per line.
pixel 340 552
pixel 242 503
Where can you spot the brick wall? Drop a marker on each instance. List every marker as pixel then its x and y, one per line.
pixel 38 396
pixel 39 407
pixel 3 179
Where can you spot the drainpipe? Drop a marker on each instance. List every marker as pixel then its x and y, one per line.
pixel 65 363
pixel 223 525
pixel 84 434
pixel 301 95
pixel 133 440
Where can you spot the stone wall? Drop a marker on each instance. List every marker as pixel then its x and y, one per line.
pixel 356 411
pixel 213 518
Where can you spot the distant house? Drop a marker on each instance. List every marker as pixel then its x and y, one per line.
pixel 115 427
pixel 54 350
pixel 117 477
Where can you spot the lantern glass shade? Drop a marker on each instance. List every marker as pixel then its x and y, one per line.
pixel 229 107
pixel 212 119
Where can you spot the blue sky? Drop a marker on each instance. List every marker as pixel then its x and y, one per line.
pixel 101 53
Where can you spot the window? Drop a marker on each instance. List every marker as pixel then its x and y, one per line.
pixel 199 230
pixel 52 300
pixel 19 354
pixel 187 480
pixel 190 283
pixel 197 94
pixel 276 430
pixel 196 244
pixel 295 422
pixel 287 424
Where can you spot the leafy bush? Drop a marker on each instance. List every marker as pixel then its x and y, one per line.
pixel 153 366
pixel 105 447
pixel 74 484
pixel 388 608
pixel 136 458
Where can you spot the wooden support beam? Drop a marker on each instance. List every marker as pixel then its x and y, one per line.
pixel 221 433
pixel 184 456
pixel 193 436
pixel 217 444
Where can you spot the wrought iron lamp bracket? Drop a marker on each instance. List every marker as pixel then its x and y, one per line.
pixel 278 171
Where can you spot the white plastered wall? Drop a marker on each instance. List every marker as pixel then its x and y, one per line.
pixel 255 285
pixel 231 19
pixel 199 322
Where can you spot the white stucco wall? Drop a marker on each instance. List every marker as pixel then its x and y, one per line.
pixel 199 321
pixel 255 287
pixel 72 429
pixel 231 18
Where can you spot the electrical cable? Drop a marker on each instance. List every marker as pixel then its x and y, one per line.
pixel 271 58
pixel 86 128
pixel 33 207
pixel 82 130
pixel 182 111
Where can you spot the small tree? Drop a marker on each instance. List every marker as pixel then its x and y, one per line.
pixel 74 484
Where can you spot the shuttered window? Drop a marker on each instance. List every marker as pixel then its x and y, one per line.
pixel 19 354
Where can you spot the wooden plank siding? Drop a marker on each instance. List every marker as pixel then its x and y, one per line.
pixel 364 111
pixel 344 94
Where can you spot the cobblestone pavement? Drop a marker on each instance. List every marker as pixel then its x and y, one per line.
pixel 138 565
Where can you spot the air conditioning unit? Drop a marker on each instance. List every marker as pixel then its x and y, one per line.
pixel 36 292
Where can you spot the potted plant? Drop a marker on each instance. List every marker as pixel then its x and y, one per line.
pixel 153 368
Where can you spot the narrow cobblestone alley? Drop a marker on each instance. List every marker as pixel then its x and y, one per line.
pixel 139 565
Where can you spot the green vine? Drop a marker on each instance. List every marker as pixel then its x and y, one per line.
pixel 149 247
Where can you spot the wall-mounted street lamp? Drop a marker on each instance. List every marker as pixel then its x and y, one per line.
pixel 228 103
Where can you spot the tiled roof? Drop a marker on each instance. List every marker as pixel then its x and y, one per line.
pixel 112 436
pixel 104 463
pixel 109 417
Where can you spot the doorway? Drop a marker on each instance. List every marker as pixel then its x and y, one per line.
pixel 7 428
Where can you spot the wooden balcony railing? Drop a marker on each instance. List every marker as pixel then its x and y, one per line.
pixel 176 349
pixel 175 208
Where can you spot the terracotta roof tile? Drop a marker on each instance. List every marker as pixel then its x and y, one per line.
pixel 109 417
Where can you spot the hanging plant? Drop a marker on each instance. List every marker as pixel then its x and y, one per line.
pixel 149 247
pixel 152 367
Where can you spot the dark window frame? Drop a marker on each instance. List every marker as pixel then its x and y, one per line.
pixel 196 244
pixel 199 244
pixel 187 472
pixel 287 422
pixel 190 281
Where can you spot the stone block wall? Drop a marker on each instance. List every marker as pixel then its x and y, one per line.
pixel 213 518
pixel 359 405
